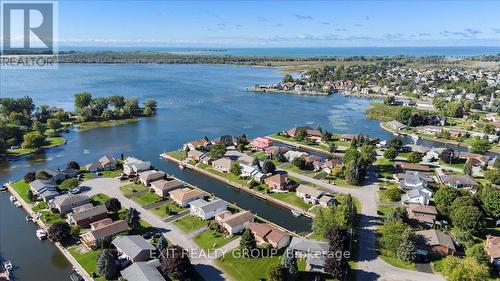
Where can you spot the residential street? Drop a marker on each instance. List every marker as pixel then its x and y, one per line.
pixel 111 187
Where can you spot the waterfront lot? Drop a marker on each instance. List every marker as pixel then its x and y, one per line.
pixel 210 239
pixel 86 258
pixel 161 211
pixel 132 188
pixel 21 187
pixel 190 223
pixel 147 198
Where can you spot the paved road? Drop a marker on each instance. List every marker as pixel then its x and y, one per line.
pixel 203 264
pixel 369 265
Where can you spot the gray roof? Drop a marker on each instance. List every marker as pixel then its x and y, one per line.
pixel 87 211
pixel 48 193
pixel 142 271
pixel 308 245
pixel 206 206
pixel 132 245
pixel 41 185
pixel 434 237
pixel 71 199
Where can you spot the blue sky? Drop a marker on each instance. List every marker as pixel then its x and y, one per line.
pixel 279 23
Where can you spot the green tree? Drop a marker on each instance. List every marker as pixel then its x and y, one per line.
pixel 491 201
pixel 42 175
pixel 398 213
pixel 415 157
pixel 247 242
pixel 444 197
pixel 480 146
pixel 407 250
pixel 300 134
pixel 218 150
pixel 332 147
pixel 29 177
pixel 106 264
pixel 468 168
pixel 175 263
pixel 150 104
pixel 299 162
pixel 33 140
pixel 276 273
pixel 467 269
pixel 113 205
pixel 393 194
pixel 133 219
pixel 353 166
pixel 268 167
pixel 467 219
pixel 118 102
pixel 59 232
pixel 162 243
pixel 289 263
pixel 131 107
pixel 54 124
pixel 235 168
pixel 287 78
pixel 98 105
pixel 395 143
pixel 391 153
pixel 30 195
pixel 82 100
pixel 392 233
pixel 492 175
pixel 479 254
pixel 69 184
pixel 454 109
pixel 404 115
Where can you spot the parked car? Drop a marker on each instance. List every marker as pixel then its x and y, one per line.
pixel 75 190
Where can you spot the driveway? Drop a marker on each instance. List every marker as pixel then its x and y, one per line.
pixel 236 155
pixel 203 264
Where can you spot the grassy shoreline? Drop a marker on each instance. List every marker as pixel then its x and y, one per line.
pixel 84 126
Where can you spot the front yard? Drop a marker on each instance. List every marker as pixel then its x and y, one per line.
pixel 132 188
pixel 161 211
pixel 190 223
pixel 147 198
pixel 210 240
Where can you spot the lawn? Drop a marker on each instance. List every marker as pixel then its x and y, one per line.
pixel 190 223
pixel 458 163
pixel 228 176
pixel 51 142
pixel 383 112
pixel 85 257
pixel 178 154
pixel 210 240
pixel 384 210
pixel 292 168
pixel 383 196
pixel 54 141
pixel 291 197
pixel 343 183
pixel 303 143
pixel 132 188
pixel 395 261
pixel 50 218
pixel 98 124
pixel 104 174
pixel 147 198
pixel 161 210
pixel 21 187
pixel 100 198
pixel 39 206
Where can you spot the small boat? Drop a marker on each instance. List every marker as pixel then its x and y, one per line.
pixel 8 265
pixel 415 137
pixel 41 234
pixel 17 204
pixel 182 166
pixel 297 213
pixel 29 218
pixel 3 187
pixel 12 198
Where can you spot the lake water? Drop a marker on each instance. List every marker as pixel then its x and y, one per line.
pixel 193 101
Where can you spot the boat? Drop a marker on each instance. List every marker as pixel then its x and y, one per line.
pixel 12 198
pixel 3 187
pixel 29 218
pixel 8 265
pixel 41 234
pixel 18 204
pixel 415 137
pixel 182 166
pixel 297 213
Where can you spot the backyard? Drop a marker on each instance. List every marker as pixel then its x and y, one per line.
pixel 21 187
pixel 86 258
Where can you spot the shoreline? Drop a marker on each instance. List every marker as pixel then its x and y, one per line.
pixel 294 92
pixel 240 187
pixel 43 226
pixel 8 156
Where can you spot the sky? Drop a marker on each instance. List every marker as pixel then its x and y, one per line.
pixel 279 23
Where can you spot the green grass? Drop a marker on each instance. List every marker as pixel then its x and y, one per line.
pixel 85 257
pixel 395 261
pixel 228 176
pixel 21 187
pixel 99 124
pixel 41 205
pixel 19 152
pixel 303 143
pixel 458 163
pixel 384 198
pixel 54 141
pixel 190 223
pixel 178 154
pixel 50 218
pixel 147 198
pixel 161 210
pixel 258 155
pixel 111 174
pixel 132 188
pixel 291 198
pixel 100 198
pixel 210 240
pixel 380 111
pixel 292 168
pixel 384 210
pixel 50 142
pixel 344 183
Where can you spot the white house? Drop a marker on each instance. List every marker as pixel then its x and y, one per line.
pixel 292 154
pixel 133 166
pixel 206 210
pixel 251 172
pixel 150 176
pixel 308 194
pixel 235 223
pixel 420 196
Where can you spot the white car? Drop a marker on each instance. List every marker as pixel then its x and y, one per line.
pixel 75 190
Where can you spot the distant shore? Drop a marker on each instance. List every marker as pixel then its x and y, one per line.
pixel 296 92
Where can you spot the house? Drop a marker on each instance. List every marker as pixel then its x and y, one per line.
pixel 66 202
pixel 275 151
pixel 260 143
pixel 435 152
pixel 348 137
pixel 266 233
pixel 235 223
pixel 277 182
pixel 411 166
pixel 225 140
pixel 251 172
pixel 102 230
pixel 206 159
pixel 44 189
pixel 459 181
pixel 327 201
pixel 424 104
pixel 87 214
pixel 416 148
pixel 309 194
pixel 412 180
pixel 396 125
pixel 493 248
pixel 314 252
pixel 184 196
pixel 222 165
pixel 207 209
pixel 422 214
pixel 420 196
pixel 311 133
pixel 108 163
pixel 147 177
pixel 329 164
pixel 195 155
pixel 292 154
pixel 143 271
pixel 93 167
pixel 132 166
pixel 429 129
pixel 56 176
pixel 476 159
pixel 310 159
pixel 435 241
pixel 133 248
pixel 201 144
pixel 163 187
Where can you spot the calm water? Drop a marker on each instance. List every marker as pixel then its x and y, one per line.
pixel 313 52
pixel 194 101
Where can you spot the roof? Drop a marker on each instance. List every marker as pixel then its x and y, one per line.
pixel 418 148
pixel 223 162
pixel 208 206
pixel 308 245
pixel 276 149
pixel 417 208
pixel 326 198
pixel 93 165
pixel 267 231
pixel 468 155
pixel 239 218
pixel 412 166
pixel 458 179
pixel 132 245
pixel 310 131
pixel 493 246
pixel 142 271
pixel 166 185
pixel 38 185
pixel 434 237
pixel 278 179
pixel 199 143
pixel 105 228
pixel 88 211
pixel 195 153
pixel 313 192
pixel 71 199
pixel 184 194
pixel 396 124
pixel 348 136
pixel 151 174
pixel 227 140
pixel 107 160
